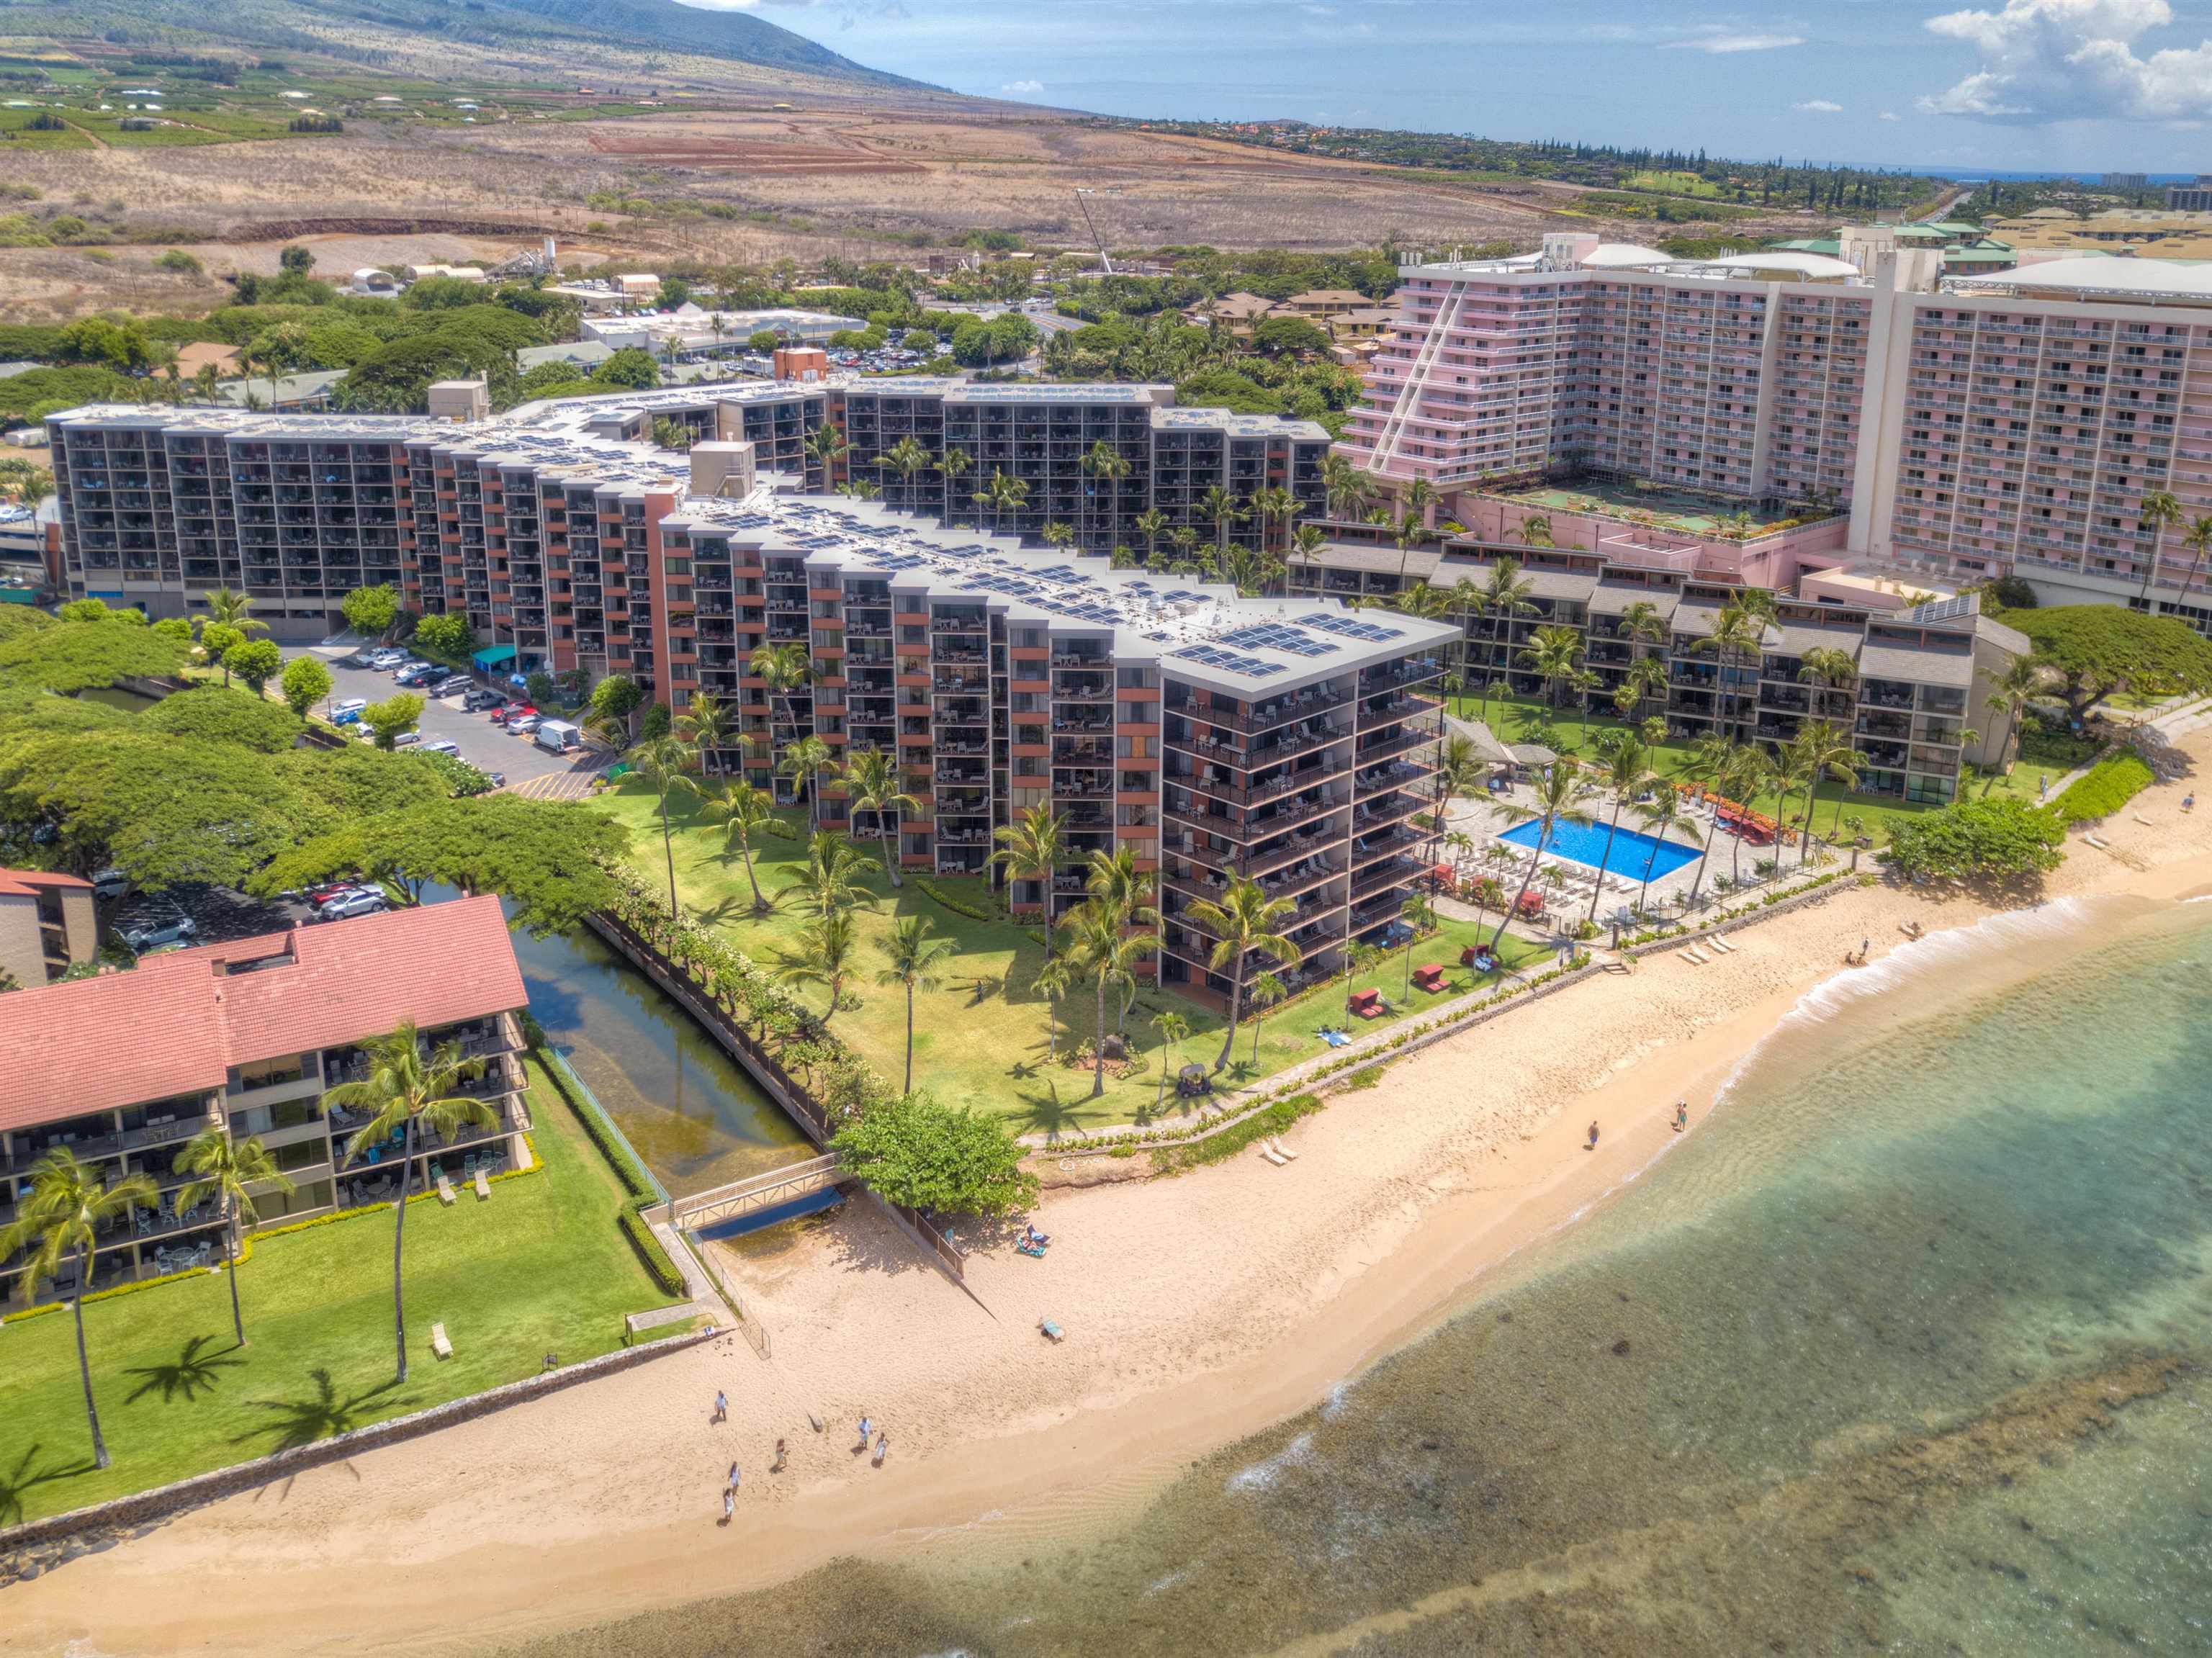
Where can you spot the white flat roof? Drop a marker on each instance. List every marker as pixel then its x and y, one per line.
pixel 2156 279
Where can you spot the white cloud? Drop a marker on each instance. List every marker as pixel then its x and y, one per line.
pixel 2065 60
pixel 1818 106
pixel 1023 88
pixel 1889 115
pixel 1723 43
pixel 1318 11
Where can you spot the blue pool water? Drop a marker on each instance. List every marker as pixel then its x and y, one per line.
pixel 1637 857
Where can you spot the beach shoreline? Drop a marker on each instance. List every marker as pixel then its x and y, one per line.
pixel 1198 1309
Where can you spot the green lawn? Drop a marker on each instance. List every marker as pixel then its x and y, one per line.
pixel 981 1037
pixel 539 1268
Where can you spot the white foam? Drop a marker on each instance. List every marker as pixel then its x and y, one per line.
pixel 1914 959
pixel 1162 1585
pixel 1261 1474
pixel 1338 1402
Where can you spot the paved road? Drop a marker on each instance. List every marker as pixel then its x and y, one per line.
pixel 528 768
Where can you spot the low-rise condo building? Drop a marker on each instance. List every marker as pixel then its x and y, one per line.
pixel 47 926
pixel 124 1070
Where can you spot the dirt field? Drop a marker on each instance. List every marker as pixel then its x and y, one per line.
pixel 862 182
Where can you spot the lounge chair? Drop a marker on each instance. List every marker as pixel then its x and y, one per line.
pixel 1049 1330
pixel 1692 957
pixel 1288 1155
pixel 1035 1251
pixel 439 1344
pixel 1271 1154
pixel 445 1191
pixel 1722 945
pixel 482 1181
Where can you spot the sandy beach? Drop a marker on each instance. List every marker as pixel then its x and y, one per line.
pixel 1197 1309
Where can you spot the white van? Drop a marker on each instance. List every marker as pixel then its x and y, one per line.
pixel 557 736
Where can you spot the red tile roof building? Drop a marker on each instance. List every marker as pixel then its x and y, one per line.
pixel 126 1067
pixel 47 924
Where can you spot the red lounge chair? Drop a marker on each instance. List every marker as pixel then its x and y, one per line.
pixel 1430 975
pixel 1364 1004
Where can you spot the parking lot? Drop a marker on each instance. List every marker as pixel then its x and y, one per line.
pixel 528 768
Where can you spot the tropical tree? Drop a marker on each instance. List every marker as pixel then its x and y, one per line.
pixel 1505 594
pixel 1100 950
pixel 1058 535
pixel 2158 512
pixel 1345 484
pixel 1419 915
pixel 1824 751
pixel 1152 524
pixel 709 724
pixel 2011 691
pixel 743 812
pixel 2198 539
pixel 410 1091
pixel 803 762
pixel 833 880
pixel 823 953
pixel 1243 923
pixel 1221 508
pixel 305 682
pixel 1265 992
pixel 1554 654
pixel 1660 816
pixel 1274 504
pixel 825 447
pixel 1113 879
pixel 1029 849
pixel 1561 797
pixel 909 459
pixel 872 784
pixel 1625 764
pixel 1830 669
pixel 914 958
pixel 952 465
pixel 1001 495
pixel 223 1168
pixel 1739 633
pixel 785 670
pixel 234 610
pixel 1173 1029
pixel 68 1205
pixel 1107 465
pixel 1053 983
pixel 663 764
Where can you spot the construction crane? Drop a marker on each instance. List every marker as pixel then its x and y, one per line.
pixel 1082 200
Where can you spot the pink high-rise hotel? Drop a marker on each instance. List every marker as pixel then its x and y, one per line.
pixel 1862 410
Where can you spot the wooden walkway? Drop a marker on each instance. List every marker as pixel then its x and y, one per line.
pixel 747 1197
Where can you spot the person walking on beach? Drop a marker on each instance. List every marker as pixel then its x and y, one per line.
pixel 729 1506
pixel 882 1449
pixel 776 1466
pixel 721 1405
pixel 867 1429
pixel 731 1485
pixel 1592 1138
pixel 1681 1115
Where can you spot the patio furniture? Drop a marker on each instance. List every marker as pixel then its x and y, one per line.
pixel 482 1185
pixel 1270 1154
pixel 1287 1155
pixel 1430 976
pixel 439 1344
pixel 1050 1330
pixel 1364 1004
pixel 445 1191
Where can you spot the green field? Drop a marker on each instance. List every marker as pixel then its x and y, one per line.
pixel 981 1037
pixel 539 1268
pixel 1671 184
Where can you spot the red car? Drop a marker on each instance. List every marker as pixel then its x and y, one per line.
pixel 512 711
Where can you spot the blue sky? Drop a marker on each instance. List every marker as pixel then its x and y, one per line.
pixel 2061 84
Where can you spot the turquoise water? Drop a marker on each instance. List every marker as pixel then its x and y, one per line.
pixel 1905 1349
pixel 1638 857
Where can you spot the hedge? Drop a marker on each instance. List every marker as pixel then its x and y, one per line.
pixel 2105 788
pixel 957 905
pixel 1174 1159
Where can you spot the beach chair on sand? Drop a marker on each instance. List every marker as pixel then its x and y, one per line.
pixel 1722 945
pixel 1284 1150
pixel 1050 1330
pixel 1692 957
pixel 1270 1154
pixel 439 1344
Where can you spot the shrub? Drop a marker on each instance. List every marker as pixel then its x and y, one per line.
pixel 1996 838
pixel 1175 1159
pixel 957 905
pixel 2108 786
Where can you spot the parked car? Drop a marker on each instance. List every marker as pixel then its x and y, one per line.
pixel 331 896
pixel 406 739
pixel 512 712
pixel 483 697
pixel 161 935
pixel 320 895
pixel 109 884
pixel 346 717
pixel 558 736
pixel 387 657
pixel 498 779
pixel 361 903
pixel 358 659
pixel 522 725
pixel 443 745
pixel 416 674
pixel 450 686
pixel 348 705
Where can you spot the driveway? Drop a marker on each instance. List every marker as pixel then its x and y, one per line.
pixel 528 768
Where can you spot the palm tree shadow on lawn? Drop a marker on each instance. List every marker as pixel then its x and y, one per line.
pixel 14 1481
pixel 324 1415
pixel 191 1373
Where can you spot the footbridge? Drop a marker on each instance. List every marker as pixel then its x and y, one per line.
pixel 745 1197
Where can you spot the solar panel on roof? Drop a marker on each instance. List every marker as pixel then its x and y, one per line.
pixel 1274 636
pixel 1350 628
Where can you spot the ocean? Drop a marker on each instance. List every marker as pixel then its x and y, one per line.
pixel 1904 1350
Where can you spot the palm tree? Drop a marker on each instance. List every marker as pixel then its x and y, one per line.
pixel 953 465
pixel 1825 752
pixel 2010 693
pixel 1221 508
pixel 1739 631
pixel 224 1169
pixel 784 669
pixel 1152 523
pixel 1535 531
pixel 1660 816
pixel 825 447
pixel 833 880
pixel 1627 762
pixel 1416 499
pixel 234 610
pixel 909 459
pixel 663 764
pixel 1101 950
pixel 1001 495
pixel 1306 543
pixel 1272 504
pixel 1266 991
pixel 1242 922
pixel 802 762
pixel 1830 669
pixel 1173 1028
pixel 1343 484
pixel 709 724
pixel 743 811
pixel 1059 535
pixel 69 1204
pixel 823 955
pixel 1419 915
pixel 1029 849
pixel 1553 653
pixel 1560 794
pixel 914 957
pixel 2197 540
pixel 1712 762
pixel 1115 880
pixel 2158 512
pixel 1109 466
pixel 1507 594
pixel 409 1092
pixel 872 784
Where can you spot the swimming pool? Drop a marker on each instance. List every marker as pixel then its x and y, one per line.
pixel 1634 856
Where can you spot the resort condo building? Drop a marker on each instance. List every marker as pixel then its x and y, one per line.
pixel 124 1070
pixel 159 505
pixel 1863 407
